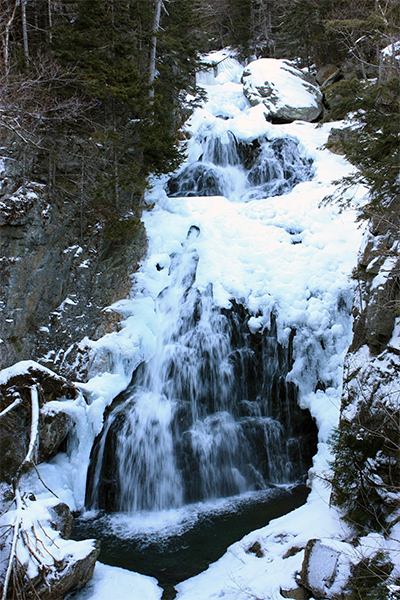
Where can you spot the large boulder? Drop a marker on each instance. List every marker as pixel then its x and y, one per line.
pixel 15 425
pixel 287 93
pixel 326 568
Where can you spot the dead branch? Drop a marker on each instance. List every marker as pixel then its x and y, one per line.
pixel 16 534
pixel 10 407
pixel 42 482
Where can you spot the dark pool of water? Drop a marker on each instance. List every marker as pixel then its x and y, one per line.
pixel 183 550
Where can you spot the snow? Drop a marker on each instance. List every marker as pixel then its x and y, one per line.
pixel 247 252
pixel 109 582
pixel 283 77
pixel 395 339
pixel 22 368
pixel 239 575
pixel 384 272
pixel 392 50
pixel 34 517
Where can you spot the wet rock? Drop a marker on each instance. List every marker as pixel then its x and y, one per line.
pixel 196 180
pixel 62 519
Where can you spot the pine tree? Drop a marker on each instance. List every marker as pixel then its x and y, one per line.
pixel 374 145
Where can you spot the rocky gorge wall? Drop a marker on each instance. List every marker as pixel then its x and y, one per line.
pixel 366 446
pixel 367 462
pixel 63 257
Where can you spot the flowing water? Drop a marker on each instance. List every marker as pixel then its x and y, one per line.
pixel 212 414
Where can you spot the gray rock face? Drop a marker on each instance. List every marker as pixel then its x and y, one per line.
pixel 377 298
pixel 61 261
pixel 367 461
pixel 286 92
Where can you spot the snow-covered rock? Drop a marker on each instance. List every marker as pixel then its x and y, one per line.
pixel 287 93
pixel 54 424
pixel 326 567
pixel 37 551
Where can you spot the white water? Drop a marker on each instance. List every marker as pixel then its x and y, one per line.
pixel 208 416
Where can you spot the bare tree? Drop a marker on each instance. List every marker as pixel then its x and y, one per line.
pixel 7 17
pixel 153 48
pixel 25 31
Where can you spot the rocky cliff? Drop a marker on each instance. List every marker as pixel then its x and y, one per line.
pixel 63 257
pixel 367 462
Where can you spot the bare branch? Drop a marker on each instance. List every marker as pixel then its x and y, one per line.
pixel 10 407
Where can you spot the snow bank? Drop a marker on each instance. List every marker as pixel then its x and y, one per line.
pixel 110 582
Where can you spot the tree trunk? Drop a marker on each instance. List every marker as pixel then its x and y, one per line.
pixel 153 48
pixel 50 15
pixel 25 31
pixel 6 48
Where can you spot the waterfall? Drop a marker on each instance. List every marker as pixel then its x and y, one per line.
pixel 241 170
pixel 209 416
pixel 212 414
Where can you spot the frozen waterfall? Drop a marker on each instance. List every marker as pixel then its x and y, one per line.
pixel 211 414
pixel 250 318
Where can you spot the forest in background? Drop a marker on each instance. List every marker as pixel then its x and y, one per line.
pixel 120 74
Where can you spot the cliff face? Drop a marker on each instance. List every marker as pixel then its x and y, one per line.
pixel 61 263
pixel 367 461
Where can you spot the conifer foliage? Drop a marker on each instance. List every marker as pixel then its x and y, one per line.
pixel 128 127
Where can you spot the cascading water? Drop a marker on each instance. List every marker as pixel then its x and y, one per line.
pixel 241 170
pixel 239 322
pixel 209 416
pixel 240 314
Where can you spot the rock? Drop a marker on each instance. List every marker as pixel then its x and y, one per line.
pixel 378 289
pixel 256 549
pixel 61 264
pixel 48 564
pixel 325 570
pixel 286 92
pixel 298 593
pixel 293 551
pixel 54 427
pixel 15 426
pixel 336 139
pixel 62 519
pixel 328 74
pixel 367 460
pixel 196 180
pixel 70 574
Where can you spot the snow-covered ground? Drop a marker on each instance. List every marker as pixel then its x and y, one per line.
pixel 285 254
